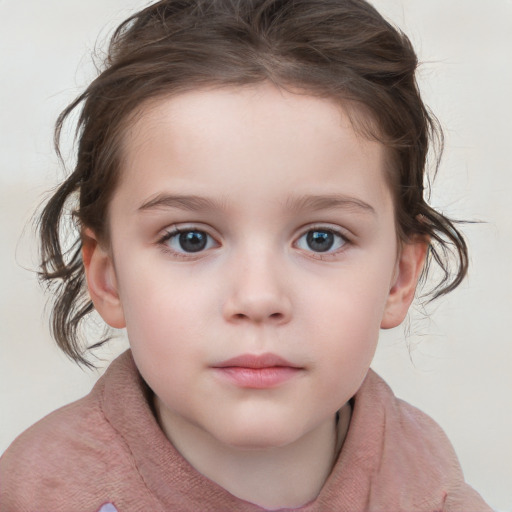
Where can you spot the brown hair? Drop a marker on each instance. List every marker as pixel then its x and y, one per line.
pixel 341 49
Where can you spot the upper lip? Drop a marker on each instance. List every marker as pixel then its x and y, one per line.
pixel 266 360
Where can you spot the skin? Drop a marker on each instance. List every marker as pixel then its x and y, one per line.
pixel 268 167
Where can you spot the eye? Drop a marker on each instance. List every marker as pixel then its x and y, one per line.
pixel 188 241
pixel 321 240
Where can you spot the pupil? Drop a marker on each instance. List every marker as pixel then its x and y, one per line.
pixel 320 241
pixel 193 241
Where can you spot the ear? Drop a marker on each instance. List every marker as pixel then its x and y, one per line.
pixel 101 280
pixel 407 272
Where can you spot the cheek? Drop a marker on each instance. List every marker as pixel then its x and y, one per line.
pixel 163 328
pixel 160 312
pixel 345 325
pixel 352 299
pixel 349 336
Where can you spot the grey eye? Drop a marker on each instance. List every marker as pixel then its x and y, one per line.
pixel 321 240
pixel 193 241
pixel 190 241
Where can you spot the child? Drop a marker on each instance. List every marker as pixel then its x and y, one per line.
pixel 250 207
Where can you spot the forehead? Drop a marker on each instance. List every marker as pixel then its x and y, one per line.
pixel 257 140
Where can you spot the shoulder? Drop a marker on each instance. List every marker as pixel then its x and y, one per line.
pixel 62 431
pixel 73 459
pixel 418 433
pixel 414 451
pixel 64 445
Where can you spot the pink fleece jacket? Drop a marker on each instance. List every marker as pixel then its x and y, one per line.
pixel 107 453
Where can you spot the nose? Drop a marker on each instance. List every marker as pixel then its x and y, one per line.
pixel 258 292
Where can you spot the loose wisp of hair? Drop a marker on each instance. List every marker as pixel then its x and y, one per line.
pixel 343 50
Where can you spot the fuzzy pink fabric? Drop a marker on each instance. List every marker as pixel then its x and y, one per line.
pixel 106 452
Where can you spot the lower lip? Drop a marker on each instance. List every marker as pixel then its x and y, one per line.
pixel 258 378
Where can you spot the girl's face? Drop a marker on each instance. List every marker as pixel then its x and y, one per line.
pixel 253 260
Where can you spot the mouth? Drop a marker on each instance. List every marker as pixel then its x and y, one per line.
pixel 257 371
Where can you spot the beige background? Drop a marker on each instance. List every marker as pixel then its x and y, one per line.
pixel 456 365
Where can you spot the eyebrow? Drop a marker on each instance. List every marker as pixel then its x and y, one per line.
pixel 183 202
pixel 329 202
pixel 305 202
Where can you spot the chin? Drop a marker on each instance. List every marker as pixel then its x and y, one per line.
pixel 262 437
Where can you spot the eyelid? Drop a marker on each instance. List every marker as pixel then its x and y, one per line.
pixel 326 226
pixel 180 227
pixel 175 229
pixel 336 230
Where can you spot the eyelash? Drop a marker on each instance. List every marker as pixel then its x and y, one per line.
pixel 191 255
pixel 328 254
pixel 169 235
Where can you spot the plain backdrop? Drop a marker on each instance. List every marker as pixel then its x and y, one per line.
pixel 454 364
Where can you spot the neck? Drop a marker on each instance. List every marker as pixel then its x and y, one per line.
pixel 279 477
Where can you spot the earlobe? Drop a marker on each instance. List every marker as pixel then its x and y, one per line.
pixel 101 280
pixel 408 271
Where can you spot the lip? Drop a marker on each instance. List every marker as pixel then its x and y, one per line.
pixel 261 371
pixel 256 361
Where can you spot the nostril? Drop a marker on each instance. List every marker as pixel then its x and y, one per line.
pixel 258 308
pixel 273 316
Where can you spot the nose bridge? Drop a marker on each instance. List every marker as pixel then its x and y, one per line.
pixel 258 288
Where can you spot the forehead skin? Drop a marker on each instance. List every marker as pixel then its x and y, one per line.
pixel 204 131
